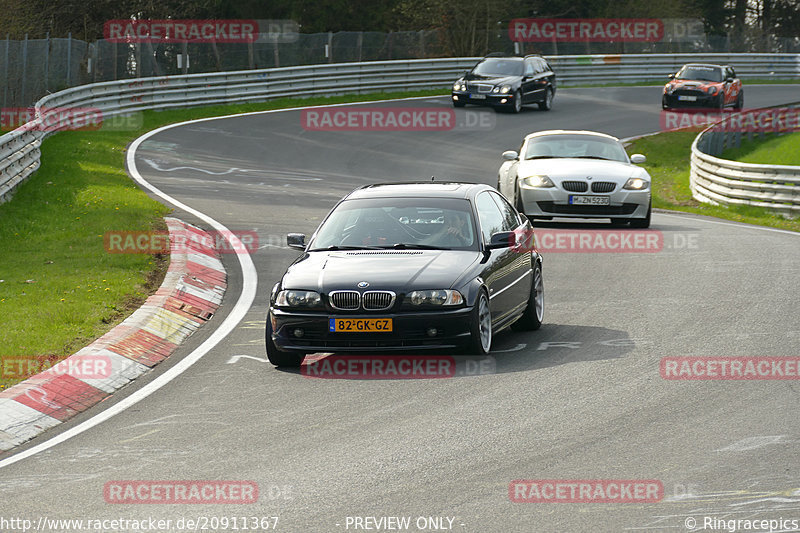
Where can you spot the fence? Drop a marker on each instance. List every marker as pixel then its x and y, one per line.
pixel 19 150
pixel 720 181
pixel 32 68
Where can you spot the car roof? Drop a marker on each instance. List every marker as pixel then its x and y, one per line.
pixel 414 189
pixel 569 132
pixel 504 55
pixel 712 65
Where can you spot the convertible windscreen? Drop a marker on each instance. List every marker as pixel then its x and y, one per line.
pixel 700 74
pixel 580 146
pixel 399 223
pixel 498 67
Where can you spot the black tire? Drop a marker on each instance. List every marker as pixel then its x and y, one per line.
pixel 642 222
pixel 516 104
pixel 458 104
pixel 278 357
pixel 518 201
pixel 739 101
pixel 532 318
pixel 479 327
pixel 547 103
pixel 664 104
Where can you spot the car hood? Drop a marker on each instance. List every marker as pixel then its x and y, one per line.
pixel 397 270
pixel 496 80
pixel 693 84
pixel 560 169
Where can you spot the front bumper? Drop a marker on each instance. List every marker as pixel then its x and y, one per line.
pixel 554 202
pixel 409 331
pixel 704 101
pixel 490 99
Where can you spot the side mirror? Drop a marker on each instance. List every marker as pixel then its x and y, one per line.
pixel 501 239
pixel 728 80
pixel 296 241
pixel 671 76
pixel 510 155
pixel 638 159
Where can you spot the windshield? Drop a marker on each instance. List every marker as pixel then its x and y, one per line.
pixel 421 223
pixel 498 67
pixel 580 146
pixel 699 73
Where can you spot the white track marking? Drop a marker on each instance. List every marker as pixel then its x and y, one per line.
pixel 709 220
pixel 229 171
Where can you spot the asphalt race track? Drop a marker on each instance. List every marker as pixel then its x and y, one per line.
pixel 582 398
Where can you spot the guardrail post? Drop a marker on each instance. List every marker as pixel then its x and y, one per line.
pixel 24 70
pixel 69 59
pixel 47 62
pixel 185 53
pixel 5 75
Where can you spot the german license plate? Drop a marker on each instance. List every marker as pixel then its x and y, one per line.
pixel 687 98
pixel 589 200
pixel 477 96
pixel 359 325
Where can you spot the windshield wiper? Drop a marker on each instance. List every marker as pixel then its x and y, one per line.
pixel 404 246
pixel 334 247
pixel 542 157
pixel 592 157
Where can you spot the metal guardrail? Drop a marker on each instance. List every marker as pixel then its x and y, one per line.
pixel 720 181
pixel 20 149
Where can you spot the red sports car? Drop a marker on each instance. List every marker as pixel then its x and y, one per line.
pixel 703 85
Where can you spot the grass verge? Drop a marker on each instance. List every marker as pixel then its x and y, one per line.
pixel 668 164
pixel 770 150
pixel 59 288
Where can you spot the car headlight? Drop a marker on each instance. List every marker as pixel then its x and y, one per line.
pixel 435 297
pixel 459 86
pixel 496 89
pixel 505 89
pixel 295 298
pixel 538 182
pixel 712 90
pixel 669 88
pixel 636 184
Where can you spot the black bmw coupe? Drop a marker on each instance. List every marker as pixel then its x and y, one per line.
pixel 410 266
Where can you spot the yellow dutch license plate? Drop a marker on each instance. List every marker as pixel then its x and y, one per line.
pixel 360 325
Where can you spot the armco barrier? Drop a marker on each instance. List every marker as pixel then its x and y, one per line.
pixel 19 149
pixel 720 181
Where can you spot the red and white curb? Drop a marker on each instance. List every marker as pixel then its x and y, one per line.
pixel 189 296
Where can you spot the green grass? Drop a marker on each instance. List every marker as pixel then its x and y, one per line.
pixel 770 150
pixel 60 289
pixel 668 164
